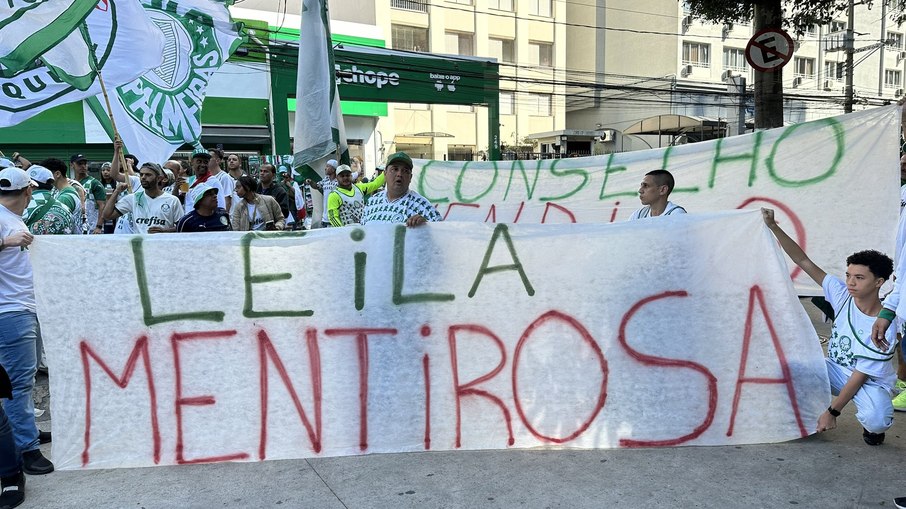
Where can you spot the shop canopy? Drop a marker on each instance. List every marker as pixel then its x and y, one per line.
pixel 694 128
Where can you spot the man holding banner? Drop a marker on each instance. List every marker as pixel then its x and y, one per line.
pixel 654 193
pixel 397 203
pixel 856 371
pixel 18 318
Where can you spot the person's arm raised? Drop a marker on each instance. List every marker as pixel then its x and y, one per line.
pixel 792 249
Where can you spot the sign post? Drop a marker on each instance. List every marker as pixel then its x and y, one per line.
pixel 769 50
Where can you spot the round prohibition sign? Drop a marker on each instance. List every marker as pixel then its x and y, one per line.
pixel 769 50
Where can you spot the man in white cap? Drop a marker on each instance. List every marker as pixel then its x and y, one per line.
pixel 44 214
pixel 326 186
pixel 18 320
pixel 153 211
pixel 347 202
pixel 207 216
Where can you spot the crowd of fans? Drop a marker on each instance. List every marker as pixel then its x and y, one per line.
pixel 211 191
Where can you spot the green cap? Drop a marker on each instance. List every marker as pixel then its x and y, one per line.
pixel 200 152
pixel 400 157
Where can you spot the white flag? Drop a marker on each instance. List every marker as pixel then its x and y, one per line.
pixel 160 111
pixel 319 132
pixel 54 64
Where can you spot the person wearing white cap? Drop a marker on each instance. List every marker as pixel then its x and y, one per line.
pixel 18 324
pixel 153 211
pixel 326 186
pixel 207 216
pixel 347 202
pixel 44 214
pixel 68 192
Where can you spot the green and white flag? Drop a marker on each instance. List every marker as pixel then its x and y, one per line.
pixel 48 49
pixel 319 131
pixel 161 110
pixel 57 38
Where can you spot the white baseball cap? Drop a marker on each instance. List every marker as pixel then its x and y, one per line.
pixel 13 179
pixel 39 173
pixel 202 190
pixel 6 163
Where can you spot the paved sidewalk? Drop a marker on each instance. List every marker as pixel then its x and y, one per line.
pixel 834 469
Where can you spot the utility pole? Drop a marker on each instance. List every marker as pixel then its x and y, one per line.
pixel 849 46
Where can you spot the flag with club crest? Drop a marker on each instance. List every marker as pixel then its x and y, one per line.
pixel 50 51
pixel 161 110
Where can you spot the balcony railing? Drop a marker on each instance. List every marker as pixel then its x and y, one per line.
pixel 410 5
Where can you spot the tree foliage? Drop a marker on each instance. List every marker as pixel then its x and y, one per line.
pixel 798 14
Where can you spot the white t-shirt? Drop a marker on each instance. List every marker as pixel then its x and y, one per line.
pixel 850 344
pixel 163 211
pixel 256 220
pixel 190 196
pixel 227 186
pixel 901 234
pixel 300 198
pixel 671 209
pixel 17 289
pixel 327 187
pixel 125 225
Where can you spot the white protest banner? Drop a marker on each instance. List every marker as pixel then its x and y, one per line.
pixel 160 111
pixel 821 176
pixel 441 337
pixel 52 66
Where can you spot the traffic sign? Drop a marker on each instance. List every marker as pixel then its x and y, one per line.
pixel 769 49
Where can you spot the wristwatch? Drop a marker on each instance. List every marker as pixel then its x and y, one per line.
pixel 835 413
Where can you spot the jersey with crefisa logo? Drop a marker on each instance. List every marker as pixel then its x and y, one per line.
pixel 167 100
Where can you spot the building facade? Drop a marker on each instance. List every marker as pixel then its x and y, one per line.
pixel 654 59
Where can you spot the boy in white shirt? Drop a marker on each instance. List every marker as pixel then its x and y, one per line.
pixel 857 369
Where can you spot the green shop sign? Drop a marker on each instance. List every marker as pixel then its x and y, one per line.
pixel 385 75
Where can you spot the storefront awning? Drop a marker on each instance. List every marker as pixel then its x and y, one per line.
pixel 675 125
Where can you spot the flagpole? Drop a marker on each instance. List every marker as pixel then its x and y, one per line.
pixel 116 135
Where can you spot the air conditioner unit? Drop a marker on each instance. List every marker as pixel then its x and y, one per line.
pixel 726 75
pixel 901 56
pixel 725 32
pixel 687 22
pixel 606 136
pixel 797 81
pixel 898 92
pixel 828 85
pixel 686 70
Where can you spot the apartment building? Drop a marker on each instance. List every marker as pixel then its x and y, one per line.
pixel 528 39
pixel 654 59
